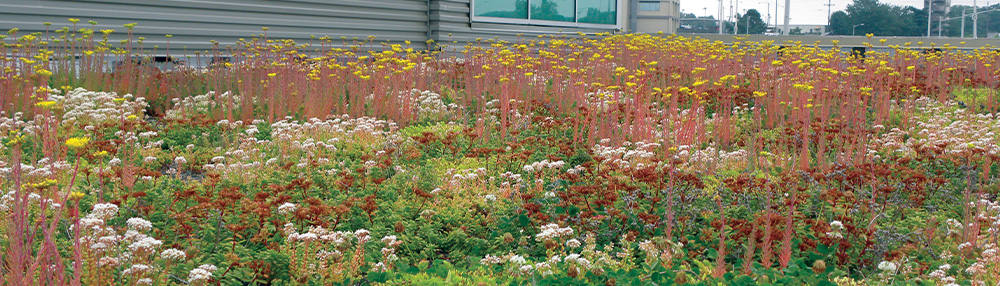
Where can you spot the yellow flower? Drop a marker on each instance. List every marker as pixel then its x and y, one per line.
pixel 45 104
pixel 43 184
pixel 101 154
pixel 77 142
pixel 76 196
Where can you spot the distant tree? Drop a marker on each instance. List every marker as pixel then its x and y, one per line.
pixel 751 23
pixel 881 19
pixel 875 16
pixel 840 23
pixel 688 15
pixel 547 10
pixel 908 21
pixel 520 11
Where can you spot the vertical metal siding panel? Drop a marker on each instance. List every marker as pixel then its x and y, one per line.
pixel 193 23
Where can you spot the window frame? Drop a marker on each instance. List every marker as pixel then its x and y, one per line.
pixel 619 19
pixel 658 4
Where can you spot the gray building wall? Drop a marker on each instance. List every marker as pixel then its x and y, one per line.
pixel 195 23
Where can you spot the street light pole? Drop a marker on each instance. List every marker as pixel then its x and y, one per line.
pixel 722 13
pixel 733 14
pixel 963 22
pixel 940 25
pixel 748 21
pixel 930 5
pixel 855 28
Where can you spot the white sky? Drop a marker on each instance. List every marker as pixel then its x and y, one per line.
pixel 804 12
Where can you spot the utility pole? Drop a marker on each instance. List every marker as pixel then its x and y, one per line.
pixel 829 6
pixel 963 22
pixel 788 17
pixel 975 20
pixel 768 23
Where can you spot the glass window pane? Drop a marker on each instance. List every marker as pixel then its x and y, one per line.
pixel 517 9
pixel 553 10
pixel 597 12
pixel 649 6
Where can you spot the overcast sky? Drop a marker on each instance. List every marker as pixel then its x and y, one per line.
pixel 804 12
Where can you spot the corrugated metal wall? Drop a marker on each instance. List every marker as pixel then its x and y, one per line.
pixel 194 23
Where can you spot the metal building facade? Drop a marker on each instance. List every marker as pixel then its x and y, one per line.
pixel 194 24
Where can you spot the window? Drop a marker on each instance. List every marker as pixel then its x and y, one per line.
pixel 502 8
pixel 595 13
pixel 649 5
pixel 553 10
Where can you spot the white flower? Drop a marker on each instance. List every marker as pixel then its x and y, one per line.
pixel 308 236
pixel 104 211
pixel 389 239
pixel 286 208
pixel 517 259
pixel 173 254
pixel 201 274
pixel 490 259
pixel 529 168
pixel 552 231
pixel 525 269
pixel 887 266
pixel 573 243
pixel 379 267
pixel 837 225
pixel 139 224
pixel 145 245
pixel 490 198
pixel 180 160
pixel 136 269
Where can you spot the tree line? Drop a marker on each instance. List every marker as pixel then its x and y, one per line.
pixel 884 19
